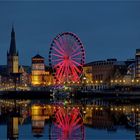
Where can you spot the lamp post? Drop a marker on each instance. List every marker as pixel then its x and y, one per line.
pixel 84 82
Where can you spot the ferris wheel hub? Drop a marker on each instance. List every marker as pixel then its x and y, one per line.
pixel 66 57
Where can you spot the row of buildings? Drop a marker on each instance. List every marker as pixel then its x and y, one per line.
pixel 110 71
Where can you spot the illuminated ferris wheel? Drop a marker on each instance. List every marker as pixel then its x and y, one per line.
pixel 67 57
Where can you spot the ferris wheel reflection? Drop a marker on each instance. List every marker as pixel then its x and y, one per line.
pixel 67 124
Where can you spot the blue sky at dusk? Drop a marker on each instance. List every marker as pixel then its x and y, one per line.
pixel 108 29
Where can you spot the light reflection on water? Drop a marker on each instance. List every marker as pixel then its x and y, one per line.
pixel 33 119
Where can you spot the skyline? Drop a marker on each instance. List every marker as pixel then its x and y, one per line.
pixel 110 29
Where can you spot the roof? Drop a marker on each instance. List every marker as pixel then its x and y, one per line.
pixel 94 62
pixel 38 56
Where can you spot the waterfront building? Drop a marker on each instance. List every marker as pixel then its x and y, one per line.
pixel 131 70
pixel 49 79
pixel 38 71
pixel 103 70
pixel 120 70
pixel 130 75
pixel 88 74
pixel 137 64
pixel 25 77
pixel 12 55
pixel 102 73
pixel 3 74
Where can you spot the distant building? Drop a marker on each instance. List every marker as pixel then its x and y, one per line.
pixel 3 74
pixel 130 75
pixel 120 70
pixel 88 74
pixel 105 71
pixel 137 64
pixel 12 55
pixel 100 70
pixel 49 79
pixel 24 78
pixel 131 70
pixel 38 71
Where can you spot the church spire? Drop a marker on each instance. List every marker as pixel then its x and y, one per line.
pixel 12 50
pixel 12 55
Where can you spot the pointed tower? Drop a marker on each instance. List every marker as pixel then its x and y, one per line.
pixel 12 55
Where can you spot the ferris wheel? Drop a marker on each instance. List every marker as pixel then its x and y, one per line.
pixel 67 57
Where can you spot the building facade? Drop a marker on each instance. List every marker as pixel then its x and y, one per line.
pixel 88 75
pixel 109 71
pixel 24 77
pixel 103 70
pixel 12 55
pixel 137 64
pixel 99 71
pixel 38 71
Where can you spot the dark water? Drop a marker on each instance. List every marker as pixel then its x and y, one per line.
pixel 25 133
pixel 81 120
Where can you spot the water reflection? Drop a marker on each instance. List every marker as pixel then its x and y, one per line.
pixel 67 122
pixel 12 126
pixel 38 116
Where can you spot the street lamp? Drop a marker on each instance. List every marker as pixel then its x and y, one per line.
pixel 96 82
pixel 84 80
pixel 101 81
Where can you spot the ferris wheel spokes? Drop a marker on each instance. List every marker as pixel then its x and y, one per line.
pixel 59 46
pixel 59 51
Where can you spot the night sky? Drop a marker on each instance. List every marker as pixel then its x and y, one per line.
pixel 107 29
